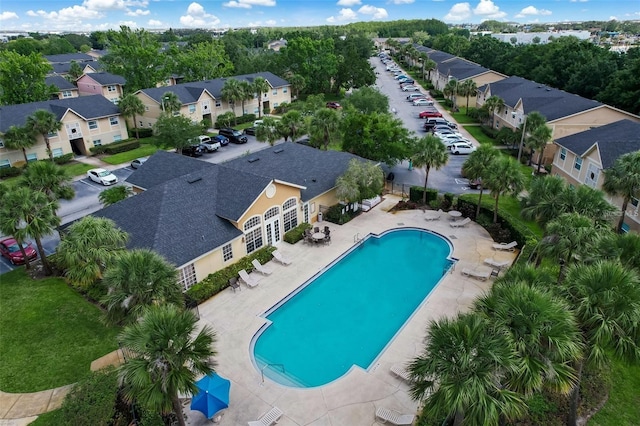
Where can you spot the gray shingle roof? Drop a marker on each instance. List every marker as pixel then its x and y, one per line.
pixel 438 56
pixel 614 140
pixel 190 92
pixel 163 166
pixel 460 69
pixel 105 78
pixel 89 107
pixel 551 103
pixel 68 57
pixel 64 67
pixel 60 82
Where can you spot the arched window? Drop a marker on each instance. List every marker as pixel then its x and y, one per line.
pixel 273 211
pixel 253 234
pixel 290 214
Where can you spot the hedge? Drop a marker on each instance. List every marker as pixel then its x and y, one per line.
pixel 7 172
pixel 246 118
pixel 116 147
pixel 143 132
pixel 416 193
pixel 63 159
pixel 294 235
pixel 334 214
pixel 219 280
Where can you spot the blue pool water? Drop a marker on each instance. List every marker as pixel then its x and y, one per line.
pixel 347 314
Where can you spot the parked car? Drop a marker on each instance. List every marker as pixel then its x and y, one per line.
pixel 334 105
pixel 475 183
pixel 208 144
pixel 222 140
pixel 138 162
pixel 250 131
pixel 10 249
pixel 407 81
pixel 234 136
pixel 422 102
pixel 446 133
pixel 102 176
pixel 428 114
pixel 195 150
pixel 414 96
pixel 410 88
pixel 438 120
pixel 462 148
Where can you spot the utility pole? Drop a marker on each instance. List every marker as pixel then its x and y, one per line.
pixel 524 130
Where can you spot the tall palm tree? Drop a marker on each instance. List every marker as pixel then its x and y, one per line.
pixel 478 165
pixel 492 104
pixel 605 298
pixel 43 122
pixel 466 89
pixel 450 90
pixel 131 106
pixel 231 92
pixel 543 332
pixel 294 122
pixel 460 373
pixel 138 279
pixel 325 126
pixel 623 247
pixel 623 179
pixel 571 237
pixel 260 86
pixel 33 215
pixel 505 177
pixel 49 178
pixel 10 208
pixel 167 356
pixel 545 199
pixel 115 194
pixel 298 84
pixel 532 121
pixel 268 131
pixel 170 103
pixel 19 138
pixel 429 152
pixel 589 202
pixel 538 141
pixel 246 93
pixel 87 247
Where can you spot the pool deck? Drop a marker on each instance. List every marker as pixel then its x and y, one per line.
pixel 353 399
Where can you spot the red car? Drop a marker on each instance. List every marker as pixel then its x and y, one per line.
pixel 428 114
pixel 334 105
pixel 10 249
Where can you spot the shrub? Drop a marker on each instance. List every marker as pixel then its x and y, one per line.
pixel 247 118
pixel 219 280
pixel 340 214
pixel 492 133
pixel 122 147
pixel 294 235
pixel 7 172
pixel 224 120
pixel 447 201
pixel 92 401
pixel 63 159
pixel 416 193
pixel 143 132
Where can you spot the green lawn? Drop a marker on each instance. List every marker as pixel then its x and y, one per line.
pixel 462 118
pixel 479 135
pixel 77 169
pixel 125 157
pixel 623 406
pixel 50 334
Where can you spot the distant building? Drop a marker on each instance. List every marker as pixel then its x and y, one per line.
pixel 543 38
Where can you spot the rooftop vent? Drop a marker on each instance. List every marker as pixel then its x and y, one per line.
pixel 278 151
pixel 253 159
pixel 194 179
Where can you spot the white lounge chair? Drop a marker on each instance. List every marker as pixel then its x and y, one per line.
pixel 249 280
pixel 504 246
pixel 432 215
pixel 280 258
pixel 263 269
pixel 401 372
pixel 460 223
pixel 478 274
pixel 497 264
pixel 394 417
pixel 269 418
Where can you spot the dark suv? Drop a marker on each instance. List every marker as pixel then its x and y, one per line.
pixel 235 136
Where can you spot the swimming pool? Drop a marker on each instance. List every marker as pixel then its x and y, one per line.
pixel 349 312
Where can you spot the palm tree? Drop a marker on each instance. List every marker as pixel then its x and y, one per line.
pixel 231 92
pixel 260 86
pixel 115 194
pixel 460 373
pixel 43 122
pixel 429 153
pixel 19 138
pixel 294 122
pixel 623 247
pixel 505 177
pixel 10 208
pixel 493 104
pixel 545 199
pixel 246 93
pixel 478 165
pixel 298 83
pixel 131 106
pixel 170 103
pixel 589 202
pixel 538 141
pixel 543 332
pixel 451 89
pixel 33 214
pixel 468 88
pixel 49 178
pixel 605 298
pixel 87 247
pixel 138 279
pixel 268 131
pixel 168 355
pixel 325 126
pixel 428 66
pixel 623 179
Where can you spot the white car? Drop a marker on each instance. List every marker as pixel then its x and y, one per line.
pixel 102 176
pixel 422 102
pixel 410 88
pixel 462 148
pixel 447 133
pixel 414 96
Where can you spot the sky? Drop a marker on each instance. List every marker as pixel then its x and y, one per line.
pixel 99 15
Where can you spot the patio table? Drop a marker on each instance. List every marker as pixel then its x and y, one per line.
pixel 455 214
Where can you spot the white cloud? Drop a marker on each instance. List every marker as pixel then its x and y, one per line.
pixel 196 17
pixel 138 12
pixel 402 1
pixel 344 15
pixel 459 12
pixel 612 18
pixel 270 22
pixel 234 3
pixel 74 13
pixel 130 24
pixel 104 4
pixel 376 12
pixel 247 4
pixel 487 9
pixel 531 10
pixel 5 16
pixel 581 1
pixel 348 3
pixel 155 23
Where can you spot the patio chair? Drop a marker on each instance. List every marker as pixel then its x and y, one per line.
pixel 233 283
pixel 507 247
pixel 401 372
pixel 394 417
pixel 496 264
pixel 460 223
pixel 269 418
pixel 327 239
pixel 327 230
pixel 478 274
pixel 432 215
pixel 316 229
pixel 263 269
pixel 249 280
pixel 280 258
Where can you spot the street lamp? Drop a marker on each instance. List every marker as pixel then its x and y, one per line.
pixel 524 130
